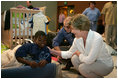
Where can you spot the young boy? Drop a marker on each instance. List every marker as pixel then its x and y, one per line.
pixel 37 52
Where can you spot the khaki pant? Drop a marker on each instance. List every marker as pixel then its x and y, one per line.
pixel 95 70
pixel 111 35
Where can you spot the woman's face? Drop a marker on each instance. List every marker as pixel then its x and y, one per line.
pixel 41 41
pixel 76 32
pixel 92 6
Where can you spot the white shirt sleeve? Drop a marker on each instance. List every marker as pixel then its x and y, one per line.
pixel 94 52
pixel 45 19
pixel 68 54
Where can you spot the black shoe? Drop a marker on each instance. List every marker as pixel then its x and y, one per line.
pixel 66 68
pixel 60 62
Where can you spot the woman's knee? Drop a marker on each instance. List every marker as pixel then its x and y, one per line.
pixel 84 70
pixel 74 58
pixel 75 61
pixel 87 71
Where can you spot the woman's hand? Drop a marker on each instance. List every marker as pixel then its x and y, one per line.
pixel 51 50
pixel 54 52
pixel 76 53
pixel 42 63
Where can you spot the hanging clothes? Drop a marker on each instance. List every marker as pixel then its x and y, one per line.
pixel 7 20
pixel 39 22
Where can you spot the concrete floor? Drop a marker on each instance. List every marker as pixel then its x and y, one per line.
pixel 113 74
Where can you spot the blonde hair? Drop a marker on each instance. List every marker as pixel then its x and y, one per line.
pixel 80 22
pixel 67 21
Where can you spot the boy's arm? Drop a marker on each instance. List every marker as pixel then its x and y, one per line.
pixel 33 64
pixel 22 60
pixel 22 52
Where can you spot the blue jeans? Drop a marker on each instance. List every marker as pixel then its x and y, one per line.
pixel 48 71
pixel 93 25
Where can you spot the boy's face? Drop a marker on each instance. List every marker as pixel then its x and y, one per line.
pixel 67 28
pixel 40 41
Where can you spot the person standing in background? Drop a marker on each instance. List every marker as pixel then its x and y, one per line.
pixel 61 19
pixel 93 15
pixel 109 16
pixel 29 5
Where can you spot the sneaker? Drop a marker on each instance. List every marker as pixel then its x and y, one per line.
pixel 114 53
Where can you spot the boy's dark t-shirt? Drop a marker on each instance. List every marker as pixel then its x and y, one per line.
pixel 32 50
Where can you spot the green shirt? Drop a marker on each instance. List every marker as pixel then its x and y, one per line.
pixel 110 12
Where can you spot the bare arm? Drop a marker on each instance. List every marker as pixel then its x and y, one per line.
pixel 103 19
pixel 55 52
pixel 22 60
pixel 33 64
pixel 57 48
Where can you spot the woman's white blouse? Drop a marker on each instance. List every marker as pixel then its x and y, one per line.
pixel 95 49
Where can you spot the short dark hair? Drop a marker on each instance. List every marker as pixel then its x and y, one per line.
pixel 29 1
pixel 93 2
pixel 38 34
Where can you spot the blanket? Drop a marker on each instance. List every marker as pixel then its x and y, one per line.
pixel 8 59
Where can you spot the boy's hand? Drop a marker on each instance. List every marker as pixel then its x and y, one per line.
pixel 42 63
pixel 33 64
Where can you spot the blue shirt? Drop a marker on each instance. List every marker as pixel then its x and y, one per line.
pixel 35 53
pixel 92 14
pixel 61 35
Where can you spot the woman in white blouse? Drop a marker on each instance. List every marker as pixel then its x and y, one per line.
pixel 88 52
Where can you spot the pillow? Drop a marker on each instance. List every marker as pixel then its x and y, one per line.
pixel 8 58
